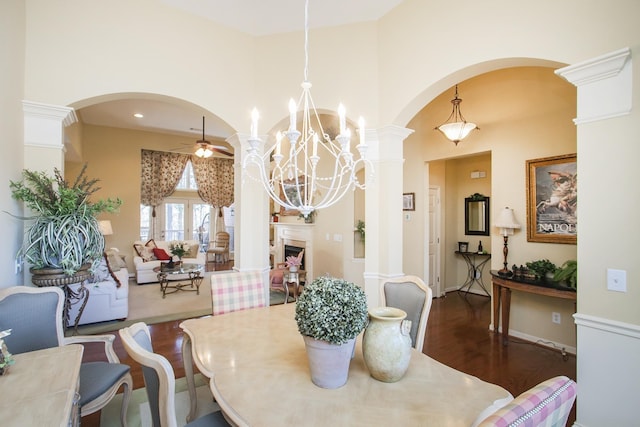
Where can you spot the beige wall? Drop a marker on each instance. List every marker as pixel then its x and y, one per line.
pixel 113 156
pixel 12 27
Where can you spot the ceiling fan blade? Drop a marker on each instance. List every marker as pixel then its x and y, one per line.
pixel 221 151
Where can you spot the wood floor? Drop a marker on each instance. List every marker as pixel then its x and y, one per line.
pixel 457 335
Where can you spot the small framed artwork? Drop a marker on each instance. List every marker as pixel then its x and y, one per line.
pixel 552 199
pixel 409 201
pixel 289 191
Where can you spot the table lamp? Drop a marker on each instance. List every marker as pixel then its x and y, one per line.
pixel 105 229
pixel 506 223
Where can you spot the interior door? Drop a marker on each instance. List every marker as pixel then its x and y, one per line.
pixel 434 241
pixel 185 219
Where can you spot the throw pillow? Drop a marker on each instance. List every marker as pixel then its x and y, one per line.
pixel 110 269
pixel 193 251
pixel 113 259
pixel 161 254
pixel 145 251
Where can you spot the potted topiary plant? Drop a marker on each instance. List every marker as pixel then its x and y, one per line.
pixel 330 314
pixel 63 237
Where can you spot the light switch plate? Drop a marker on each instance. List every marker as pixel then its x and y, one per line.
pixel 616 280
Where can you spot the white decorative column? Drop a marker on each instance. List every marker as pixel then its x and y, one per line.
pixel 383 209
pixel 251 245
pixel 44 135
pixel 44 141
pixel 607 321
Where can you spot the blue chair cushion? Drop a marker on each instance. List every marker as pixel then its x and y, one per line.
pixel 213 419
pixel 98 377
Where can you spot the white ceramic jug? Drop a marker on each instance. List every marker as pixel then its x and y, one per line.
pixel 386 344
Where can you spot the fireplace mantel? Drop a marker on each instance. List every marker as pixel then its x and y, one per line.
pixel 297 235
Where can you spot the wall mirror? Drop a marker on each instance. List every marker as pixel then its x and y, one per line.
pixel 476 215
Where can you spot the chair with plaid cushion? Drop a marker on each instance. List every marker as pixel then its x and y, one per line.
pixel 546 405
pixel 233 291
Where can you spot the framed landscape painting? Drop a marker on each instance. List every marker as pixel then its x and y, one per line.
pixel 552 199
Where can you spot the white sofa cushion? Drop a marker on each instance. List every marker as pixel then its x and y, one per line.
pixel 108 291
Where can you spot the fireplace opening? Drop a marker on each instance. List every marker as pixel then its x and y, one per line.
pixel 291 250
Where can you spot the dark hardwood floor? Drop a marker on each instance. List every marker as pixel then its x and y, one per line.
pixel 457 335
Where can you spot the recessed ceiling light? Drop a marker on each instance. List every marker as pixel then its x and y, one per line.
pixel 138 115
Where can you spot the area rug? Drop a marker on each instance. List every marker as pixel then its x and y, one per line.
pixel 147 305
pixel 138 413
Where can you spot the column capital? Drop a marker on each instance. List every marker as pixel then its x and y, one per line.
pixel 604 85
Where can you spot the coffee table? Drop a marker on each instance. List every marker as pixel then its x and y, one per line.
pixel 180 273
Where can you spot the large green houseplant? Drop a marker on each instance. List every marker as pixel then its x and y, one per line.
pixel 330 314
pixel 63 233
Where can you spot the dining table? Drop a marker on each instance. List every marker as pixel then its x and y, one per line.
pixel 41 388
pixel 259 375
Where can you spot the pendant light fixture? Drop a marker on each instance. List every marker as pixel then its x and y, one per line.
pixel 456 128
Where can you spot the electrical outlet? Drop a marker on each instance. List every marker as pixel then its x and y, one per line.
pixel 555 317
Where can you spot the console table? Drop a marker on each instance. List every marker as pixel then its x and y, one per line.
pixel 502 287
pixel 475 265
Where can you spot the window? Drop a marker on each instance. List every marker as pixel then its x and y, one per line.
pixel 145 222
pixel 188 180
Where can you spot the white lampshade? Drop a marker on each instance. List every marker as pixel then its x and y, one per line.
pixel 105 227
pixel 507 221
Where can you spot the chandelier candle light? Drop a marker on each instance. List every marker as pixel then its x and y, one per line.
pixel 296 180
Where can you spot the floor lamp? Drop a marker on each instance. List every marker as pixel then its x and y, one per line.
pixel 506 223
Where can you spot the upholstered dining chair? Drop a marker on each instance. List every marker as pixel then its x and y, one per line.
pixel 34 316
pixel 237 290
pixel 548 404
pixel 159 380
pixel 220 248
pixel 409 293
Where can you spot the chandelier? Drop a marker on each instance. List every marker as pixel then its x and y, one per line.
pixel 456 128
pixel 310 170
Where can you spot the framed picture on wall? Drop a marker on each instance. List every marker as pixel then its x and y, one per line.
pixel 289 191
pixel 552 199
pixel 409 201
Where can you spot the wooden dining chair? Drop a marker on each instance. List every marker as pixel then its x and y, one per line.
pixel 237 290
pixel 220 248
pixel 412 295
pixel 34 316
pixel 159 380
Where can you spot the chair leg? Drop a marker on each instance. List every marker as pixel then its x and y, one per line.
pixel 127 388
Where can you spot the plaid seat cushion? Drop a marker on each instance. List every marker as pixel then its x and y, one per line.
pixel 546 405
pixel 237 291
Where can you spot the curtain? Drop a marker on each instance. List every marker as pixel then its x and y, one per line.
pixel 160 174
pixel 215 184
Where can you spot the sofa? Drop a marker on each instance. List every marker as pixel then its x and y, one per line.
pixel 149 255
pixel 108 291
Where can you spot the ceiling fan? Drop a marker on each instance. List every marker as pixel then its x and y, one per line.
pixel 205 149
